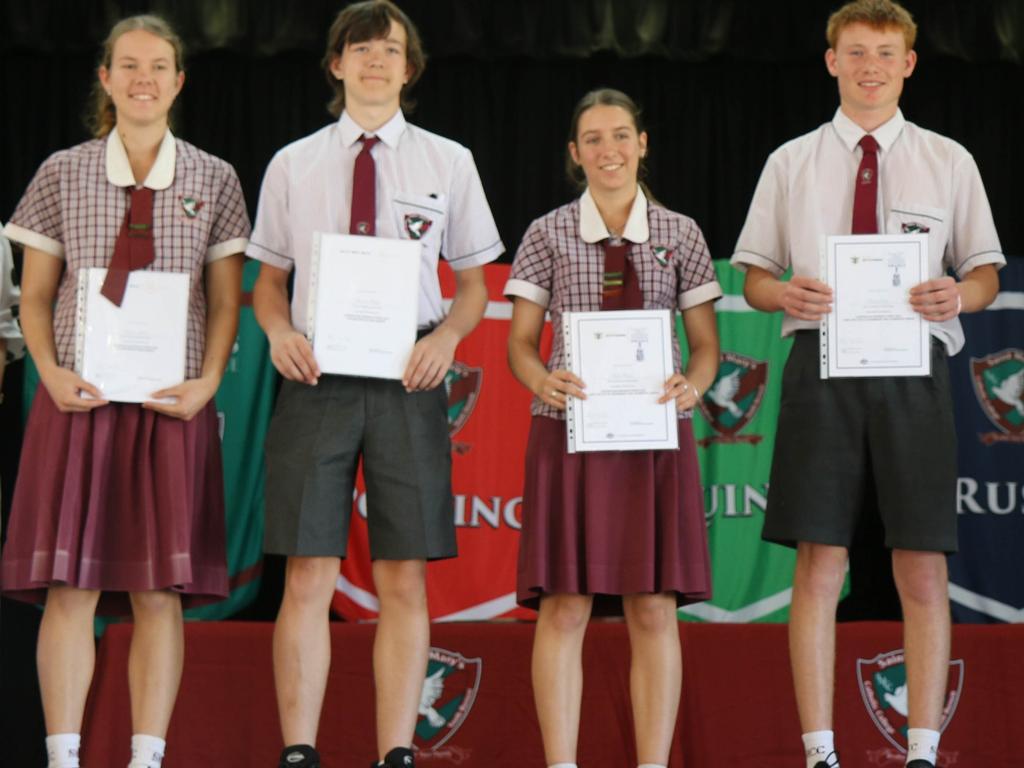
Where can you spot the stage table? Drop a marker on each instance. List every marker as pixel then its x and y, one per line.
pixel 737 707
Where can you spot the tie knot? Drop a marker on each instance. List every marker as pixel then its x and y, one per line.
pixel 369 141
pixel 868 144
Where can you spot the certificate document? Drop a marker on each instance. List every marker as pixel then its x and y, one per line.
pixel 872 329
pixel 624 358
pixel 130 352
pixel 363 297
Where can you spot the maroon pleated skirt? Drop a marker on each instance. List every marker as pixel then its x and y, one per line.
pixel 121 499
pixel 611 523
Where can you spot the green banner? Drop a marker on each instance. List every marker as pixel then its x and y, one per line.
pixel 735 432
pixel 244 403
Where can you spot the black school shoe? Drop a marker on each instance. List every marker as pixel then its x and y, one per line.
pixel 299 756
pixel 920 764
pixel 399 757
pixel 829 762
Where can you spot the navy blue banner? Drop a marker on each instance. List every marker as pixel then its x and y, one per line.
pixel 988 392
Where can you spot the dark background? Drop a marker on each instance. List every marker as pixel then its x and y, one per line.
pixel 721 82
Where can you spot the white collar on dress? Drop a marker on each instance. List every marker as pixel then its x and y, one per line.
pixel 886 134
pixel 592 226
pixel 119 168
pixel 389 133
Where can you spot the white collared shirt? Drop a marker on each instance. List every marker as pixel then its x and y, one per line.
pixel 926 182
pixel 119 167
pixel 592 226
pixel 420 176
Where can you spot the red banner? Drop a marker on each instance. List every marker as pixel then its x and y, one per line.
pixel 488 416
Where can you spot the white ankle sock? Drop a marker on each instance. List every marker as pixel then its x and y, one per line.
pixel 147 751
pixel 923 744
pixel 819 747
pixel 651 765
pixel 563 765
pixel 62 750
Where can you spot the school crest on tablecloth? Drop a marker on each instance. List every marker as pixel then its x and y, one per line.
pixel 446 700
pixel 882 682
pixel 417 226
pixel 999 386
pixel 191 206
pixel 734 398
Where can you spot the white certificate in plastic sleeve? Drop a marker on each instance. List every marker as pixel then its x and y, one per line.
pixel 363 299
pixel 624 357
pixel 130 352
pixel 872 330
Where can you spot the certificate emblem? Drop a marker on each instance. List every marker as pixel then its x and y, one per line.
pixel 733 400
pixel 883 688
pixel 999 386
pixel 417 226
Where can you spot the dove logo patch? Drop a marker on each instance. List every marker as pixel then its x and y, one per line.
pixel 732 401
pixel 449 691
pixel 999 386
pixel 883 688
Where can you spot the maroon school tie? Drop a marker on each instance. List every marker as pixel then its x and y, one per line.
pixel 621 287
pixel 133 248
pixel 865 191
pixel 363 220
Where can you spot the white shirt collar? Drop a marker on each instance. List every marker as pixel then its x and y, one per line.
pixel 389 133
pixel 592 226
pixel 886 134
pixel 119 168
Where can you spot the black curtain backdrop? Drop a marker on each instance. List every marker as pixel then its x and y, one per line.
pixel 721 82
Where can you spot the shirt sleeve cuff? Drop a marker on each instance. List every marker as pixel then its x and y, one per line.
pixel 700 295
pixel 478 258
pixel 227 248
pixel 267 256
pixel 31 239
pixel 528 291
pixel 979 259
pixel 743 259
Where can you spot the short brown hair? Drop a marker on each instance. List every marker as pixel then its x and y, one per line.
pixel 371 20
pixel 878 14
pixel 102 117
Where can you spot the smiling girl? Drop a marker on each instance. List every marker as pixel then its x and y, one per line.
pixel 610 524
pixel 123 501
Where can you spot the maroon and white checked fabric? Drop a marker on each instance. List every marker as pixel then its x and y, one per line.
pixel 71 202
pixel 552 257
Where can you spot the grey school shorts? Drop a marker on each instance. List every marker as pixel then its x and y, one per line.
pixel 316 438
pixel 841 439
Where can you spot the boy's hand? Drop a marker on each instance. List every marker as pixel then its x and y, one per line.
pixel 431 358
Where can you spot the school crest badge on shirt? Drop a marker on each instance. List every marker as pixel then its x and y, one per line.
pixel 191 206
pixel 662 255
pixel 417 226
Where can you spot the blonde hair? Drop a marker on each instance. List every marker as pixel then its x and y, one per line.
pixel 102 117
pixel 878 14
